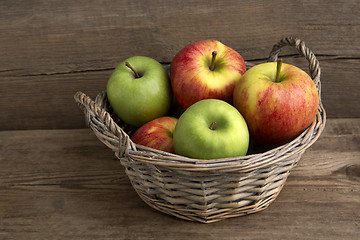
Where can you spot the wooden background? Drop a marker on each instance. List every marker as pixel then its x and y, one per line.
pixel 51 49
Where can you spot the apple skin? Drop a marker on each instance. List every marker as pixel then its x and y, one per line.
pixel 276 112
pixel 191 77
pixel 194 138
pixel 137 101
pixel 157 134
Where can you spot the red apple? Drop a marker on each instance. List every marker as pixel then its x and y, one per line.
pixel 157 134
pixel 277 100
pixel 205 69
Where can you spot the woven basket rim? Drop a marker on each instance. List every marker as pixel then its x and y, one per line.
pixel 250 162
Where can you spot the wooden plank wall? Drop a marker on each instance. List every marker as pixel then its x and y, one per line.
pixel 51 49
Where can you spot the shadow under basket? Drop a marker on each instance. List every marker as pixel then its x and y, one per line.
pixel 204 190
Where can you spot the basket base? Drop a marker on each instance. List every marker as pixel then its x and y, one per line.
pixel 209 216
pixel 211 198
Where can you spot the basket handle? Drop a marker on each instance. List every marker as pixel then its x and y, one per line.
pixel 94 110
pixel 314 66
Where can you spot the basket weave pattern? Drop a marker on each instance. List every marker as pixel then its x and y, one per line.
pixel 204 190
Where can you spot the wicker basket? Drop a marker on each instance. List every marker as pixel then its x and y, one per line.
pixel 204 190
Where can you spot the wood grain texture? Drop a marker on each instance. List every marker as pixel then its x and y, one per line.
pixel 50 49
pixel 65 184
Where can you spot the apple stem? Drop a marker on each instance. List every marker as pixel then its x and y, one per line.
pixel 278 69
pixel 213 126
pixel 212 65
pixel 137 75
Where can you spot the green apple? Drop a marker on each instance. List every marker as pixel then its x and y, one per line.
pixel 139 90
pixel 211 129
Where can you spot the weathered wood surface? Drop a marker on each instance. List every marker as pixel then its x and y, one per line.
pixel 65 184
pixel 51 49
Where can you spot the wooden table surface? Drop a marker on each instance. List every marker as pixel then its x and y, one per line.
pixel 65 184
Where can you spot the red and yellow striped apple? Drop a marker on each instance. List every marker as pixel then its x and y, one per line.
pixel 205 69
pixel 157 134
pixel 277 100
